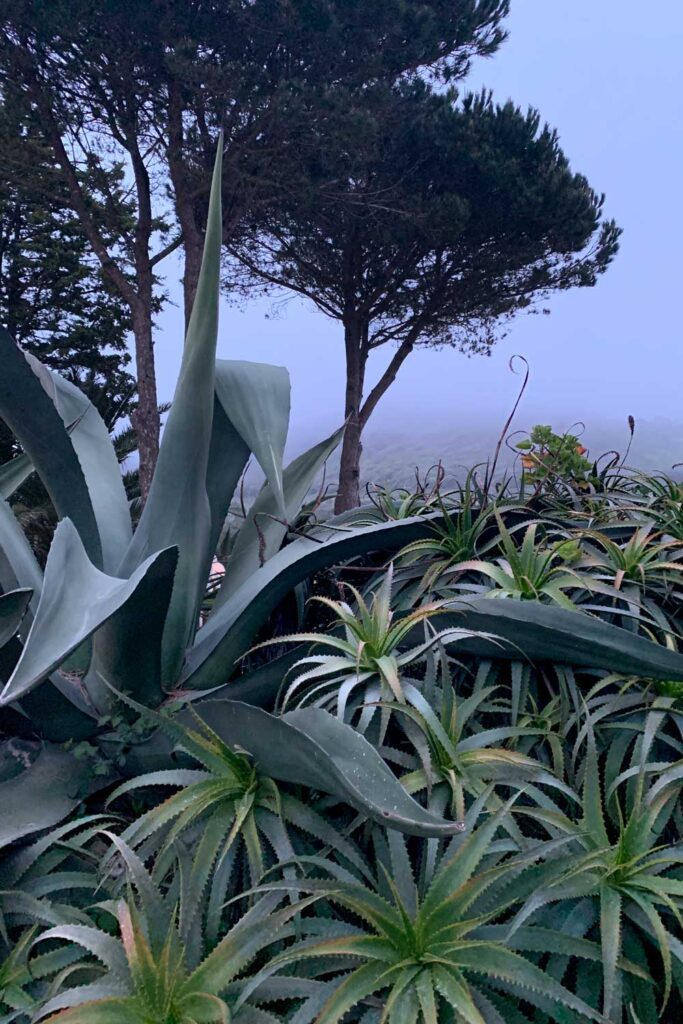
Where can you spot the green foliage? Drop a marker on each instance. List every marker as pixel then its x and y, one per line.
pixel 530 572
pixel 422 938
pixel 561 903
pixel 53 298
pixel 124 606
pixel 306 865
pixel 548 458
pixel 369 649
pixel 232 814
pixel 158 968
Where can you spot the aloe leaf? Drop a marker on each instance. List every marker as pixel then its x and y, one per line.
pixel 104 1011
pixel 86 999
pixel 313 748
pixel 106 948
pixel 13 474
pixel 177 511
pixel 76 600
pixel 230 630
pixel 13 607
pixel 262 532
pixel 256 400
pixel 541 632
pixel 30 413
pixel 18 565
pixel 41 796
pixel 358 985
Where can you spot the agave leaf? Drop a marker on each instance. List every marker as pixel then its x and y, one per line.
pixel 256 399
pixel 18 565
pixel 27 409
pixel 95 451
pixel 13 607
pixel 41 796
pixel 312 748
pixel 542 632
pixel 259 687
pixel 177 511
pixel 59 711
pixel 244 391
pixel 13 474
pixel 229 632
pixel 262 532
pixel 127 647
pixel 76 600
pixel 96 457
pixel 228 457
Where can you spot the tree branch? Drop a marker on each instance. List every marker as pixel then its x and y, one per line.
pixel 387 378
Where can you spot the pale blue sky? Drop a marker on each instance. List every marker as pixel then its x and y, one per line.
pixel 608 74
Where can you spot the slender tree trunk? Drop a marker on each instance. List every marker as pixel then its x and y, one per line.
pixel 146 416
pixel 137 294
pixel 193 263
pixel 183 189
pixel 348 491
pixel 358 412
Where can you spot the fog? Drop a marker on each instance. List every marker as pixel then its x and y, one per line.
pixel 607 74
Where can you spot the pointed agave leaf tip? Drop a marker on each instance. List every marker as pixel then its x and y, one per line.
pixel 174 515
pixel 205 306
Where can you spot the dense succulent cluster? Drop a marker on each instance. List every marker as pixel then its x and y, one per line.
pixel 447 790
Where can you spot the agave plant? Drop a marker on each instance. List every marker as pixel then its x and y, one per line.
pixel 117 611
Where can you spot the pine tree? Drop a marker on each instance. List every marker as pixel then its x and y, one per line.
pixel 421 218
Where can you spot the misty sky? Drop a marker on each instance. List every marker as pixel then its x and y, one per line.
pixel 607 74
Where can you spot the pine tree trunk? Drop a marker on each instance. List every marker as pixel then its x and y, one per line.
pixel 348 491
pixel 193 263
pixel 145 418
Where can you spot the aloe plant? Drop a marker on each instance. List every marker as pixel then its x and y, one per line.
pixel 158 968
pixel 617 876
pixel 415 943
pixel 536 570
pixel 222 806
pixel 365 642
pixel 449 754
